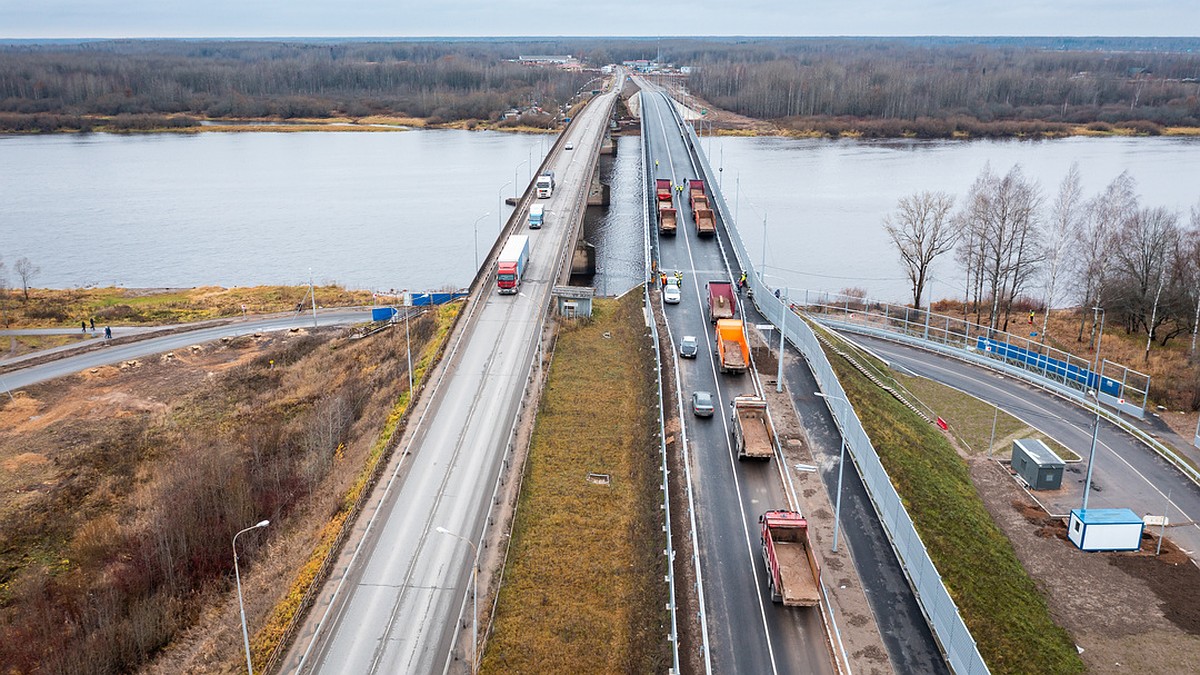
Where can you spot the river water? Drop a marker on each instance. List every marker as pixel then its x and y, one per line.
pixel 823 201
pixel 402 209
pixel 367 210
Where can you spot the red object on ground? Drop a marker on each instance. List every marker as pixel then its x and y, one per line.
pixel 942 424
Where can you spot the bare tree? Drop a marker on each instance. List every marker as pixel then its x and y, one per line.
pixel 1146 247
pixel 921 230
pixel 3 292
pixel 1065 216
pixel 1095 241
pixel 28 272
pixel 1192 266
pixel 1002 216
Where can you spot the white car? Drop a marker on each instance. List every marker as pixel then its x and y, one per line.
pixel 569 146
pixel 671 294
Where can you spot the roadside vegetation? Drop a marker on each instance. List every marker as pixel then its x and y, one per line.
pixel 1021 249
pixel 66 308
pixel 583 587
pixel 123 486
pixel 998 600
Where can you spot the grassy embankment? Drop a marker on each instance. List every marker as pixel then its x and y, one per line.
pixel 51 308
pixel 998 600
pixel 118 508
pixel 583 587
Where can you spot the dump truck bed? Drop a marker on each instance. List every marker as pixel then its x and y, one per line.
pixel 796 581
pixel 756 437
pixel 733 354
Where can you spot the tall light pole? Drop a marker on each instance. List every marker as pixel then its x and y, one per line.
pixel 837 509
pixel 1087 482
pixel 475 228
pixel 474 597
pixel 500 208
pixel 516 183
pixel 238 575
pixel 782 330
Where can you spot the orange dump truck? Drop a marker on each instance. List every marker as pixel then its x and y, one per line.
pixel 732 346
pixel 666 218
pixel 792 570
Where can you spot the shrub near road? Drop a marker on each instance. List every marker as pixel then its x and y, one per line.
pixel 583 585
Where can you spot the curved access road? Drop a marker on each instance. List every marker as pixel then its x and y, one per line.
pixel 183 337
pixel 1127 474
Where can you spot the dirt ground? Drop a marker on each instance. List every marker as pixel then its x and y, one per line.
pixel 1125 611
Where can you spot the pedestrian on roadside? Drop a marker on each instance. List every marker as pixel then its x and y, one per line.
pixel 107 332
pixel 83 326
pixel 776 293
pixel 93 320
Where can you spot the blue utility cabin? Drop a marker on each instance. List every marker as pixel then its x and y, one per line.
pixel 1105 529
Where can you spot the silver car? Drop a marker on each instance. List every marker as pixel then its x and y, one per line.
pixel 702 404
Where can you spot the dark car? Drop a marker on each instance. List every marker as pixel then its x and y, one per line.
pixel 688 347
pixel 702 404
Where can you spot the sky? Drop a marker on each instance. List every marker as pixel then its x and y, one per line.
pixel 472 18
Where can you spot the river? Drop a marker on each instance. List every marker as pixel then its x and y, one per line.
pixel 402 209
pixel 823 201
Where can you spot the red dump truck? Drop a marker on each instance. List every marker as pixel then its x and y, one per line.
pixel 666 218
pixel 792 570
pixel 722 303
pixel 751 429
pixel 696 191
pixel 663 187
pixel 732 348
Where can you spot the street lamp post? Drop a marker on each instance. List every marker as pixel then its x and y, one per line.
pixel 782 330
pixel 500 208
pixel 474 597
pixel 516 183
pixel 837 509
pixel 1087 481
pixel 475 228
pixel 238 576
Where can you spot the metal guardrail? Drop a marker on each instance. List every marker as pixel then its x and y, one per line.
pixel 975 357
pixel 1119 386
pixel 662 422
pixel 939 608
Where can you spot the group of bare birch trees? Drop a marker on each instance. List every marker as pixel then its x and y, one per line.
pixel 1018 247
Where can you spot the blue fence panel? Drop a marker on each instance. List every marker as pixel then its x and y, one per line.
pixel 1070 371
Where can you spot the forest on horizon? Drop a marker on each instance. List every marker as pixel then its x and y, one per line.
pixel 928 86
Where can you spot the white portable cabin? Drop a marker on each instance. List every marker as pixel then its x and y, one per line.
pixel 1105 529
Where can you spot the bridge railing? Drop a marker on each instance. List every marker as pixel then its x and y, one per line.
pixel 648 227
pixel 939 608
pixel 1119 386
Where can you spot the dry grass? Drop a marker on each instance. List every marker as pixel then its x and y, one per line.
pixel 131 306
pixel 118 509
pixel 583 586
pixel 970 420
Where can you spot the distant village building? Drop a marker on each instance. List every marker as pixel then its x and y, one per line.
pixel 549 60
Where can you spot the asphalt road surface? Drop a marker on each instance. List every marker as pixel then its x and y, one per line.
pixel 398 597
pixel 748 633
pixel 1127 473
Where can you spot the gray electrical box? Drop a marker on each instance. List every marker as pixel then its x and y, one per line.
pixel 1037 464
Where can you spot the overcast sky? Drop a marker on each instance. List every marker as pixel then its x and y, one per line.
pixel 406 18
